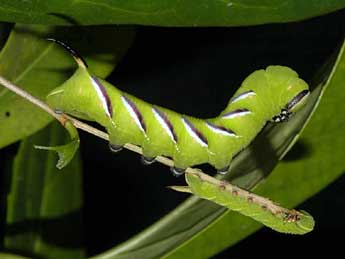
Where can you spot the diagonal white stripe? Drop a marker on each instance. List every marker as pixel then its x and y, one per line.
pixel 101 97
pixel 243 96
pixel 236 114
pixel 193 134
pixel 132 113
pixel 163 124
pixel 220 131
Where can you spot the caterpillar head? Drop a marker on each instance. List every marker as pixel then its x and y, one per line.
pixel 292 91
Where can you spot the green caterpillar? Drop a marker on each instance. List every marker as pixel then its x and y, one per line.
pixel 248 204
pixel 273 94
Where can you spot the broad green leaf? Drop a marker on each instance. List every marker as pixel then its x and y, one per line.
pixel 292 181
pixel 67 151
pixel 165 13
pixel 11 256
pixel 38 66
pixel 44 203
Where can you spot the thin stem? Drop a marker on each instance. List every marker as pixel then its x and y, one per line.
pixel 62 118
pixel 85 127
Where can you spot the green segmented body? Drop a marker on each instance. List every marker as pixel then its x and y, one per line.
pixel 251 205
pixel 265 94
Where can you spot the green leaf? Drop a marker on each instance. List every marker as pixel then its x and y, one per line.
pixel 292 181
pixel 44 203
pixel 11 256
pixel 67 151
pixel 38 66
pixel 165 13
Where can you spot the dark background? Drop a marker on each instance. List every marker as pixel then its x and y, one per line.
pixel 195 71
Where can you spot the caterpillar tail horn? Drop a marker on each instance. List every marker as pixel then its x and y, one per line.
pixel 77 57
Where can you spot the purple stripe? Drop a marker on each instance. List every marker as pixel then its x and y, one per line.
pixel 167 122
pixel 196 131
pixel 221 128
pixel 235 112
pixel 105 95
pixel 297 99
pixel 136 111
